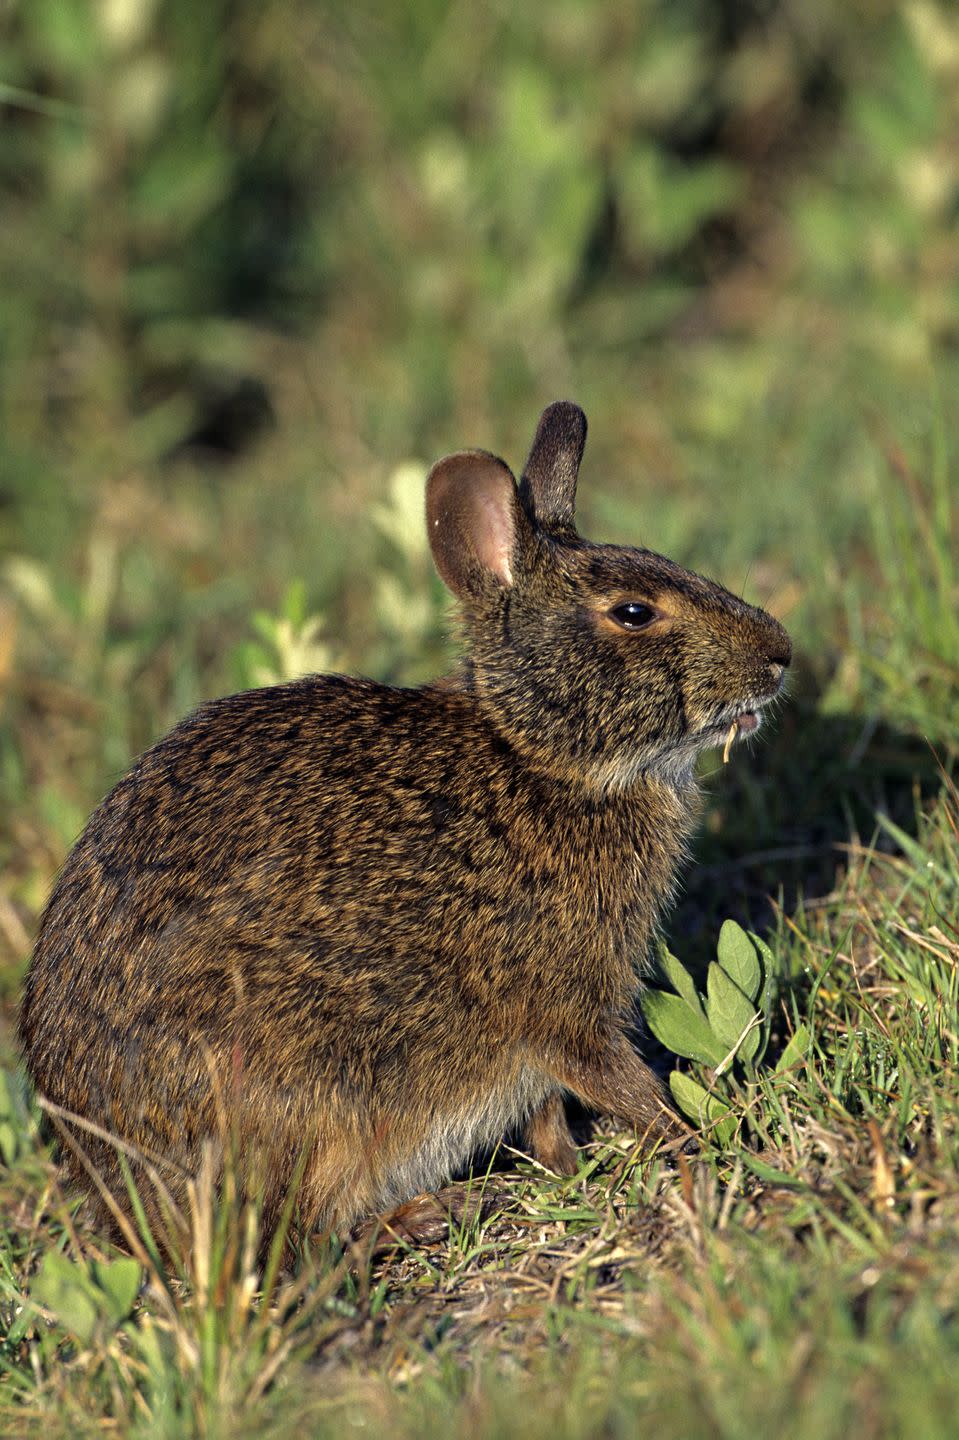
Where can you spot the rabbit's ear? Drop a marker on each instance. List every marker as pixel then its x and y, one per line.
pixel 474 521
pixel 548 486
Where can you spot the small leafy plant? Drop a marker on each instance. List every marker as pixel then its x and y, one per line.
pixel 726 1031
pixel 288 646
pixel 87 1300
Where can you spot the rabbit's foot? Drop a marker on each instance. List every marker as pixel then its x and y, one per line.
pixel 427 1218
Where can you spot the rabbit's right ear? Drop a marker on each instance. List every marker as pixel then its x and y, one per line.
pixel 475 523
pixel 548 486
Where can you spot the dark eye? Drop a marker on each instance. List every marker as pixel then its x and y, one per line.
pixel 632 615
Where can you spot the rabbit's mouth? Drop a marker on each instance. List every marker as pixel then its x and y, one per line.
pixel 731 726
pixel 676 763
pixel 742 725
pixel 748 721
pixel 734 721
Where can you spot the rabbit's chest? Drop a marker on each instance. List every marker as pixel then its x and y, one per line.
pixel 605 877
pixel 576 909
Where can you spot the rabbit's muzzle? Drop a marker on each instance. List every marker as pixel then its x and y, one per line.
pixel 742 716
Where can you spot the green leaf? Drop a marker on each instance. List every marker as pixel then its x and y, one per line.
pixel 768 962
pixel 681 980
pixel 84 1302
pixel 795 1051
pixel 728 1010
pixel 771 1175
pixel 681 1029
pixel 704 1109
pixel 66 1291
pixel 737 955
pixel 119 1280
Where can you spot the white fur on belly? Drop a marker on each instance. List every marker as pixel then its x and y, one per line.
pixel 455 1136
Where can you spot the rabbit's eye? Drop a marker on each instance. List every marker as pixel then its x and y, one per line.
pixel 632 615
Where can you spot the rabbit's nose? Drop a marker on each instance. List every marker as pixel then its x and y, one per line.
pixel 779 650
pixel 775 669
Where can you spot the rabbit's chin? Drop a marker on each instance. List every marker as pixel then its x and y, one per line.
pixel 675 765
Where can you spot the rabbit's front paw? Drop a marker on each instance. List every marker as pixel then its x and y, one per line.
pixel 548 1138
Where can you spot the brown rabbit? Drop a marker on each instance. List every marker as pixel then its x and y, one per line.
pixel 367 930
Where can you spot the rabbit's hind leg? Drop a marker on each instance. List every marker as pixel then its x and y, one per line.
pixel 338 1183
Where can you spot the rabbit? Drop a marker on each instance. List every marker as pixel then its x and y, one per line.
pixel 365 931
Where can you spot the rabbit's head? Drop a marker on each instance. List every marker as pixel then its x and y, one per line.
pixel 596 661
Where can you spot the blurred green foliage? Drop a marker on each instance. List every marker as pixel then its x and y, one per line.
pixel 455 210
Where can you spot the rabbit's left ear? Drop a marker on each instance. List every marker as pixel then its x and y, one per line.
pixel 548 485
pixel 477 528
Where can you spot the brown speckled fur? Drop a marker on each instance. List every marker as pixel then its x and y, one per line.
pixel 374 928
